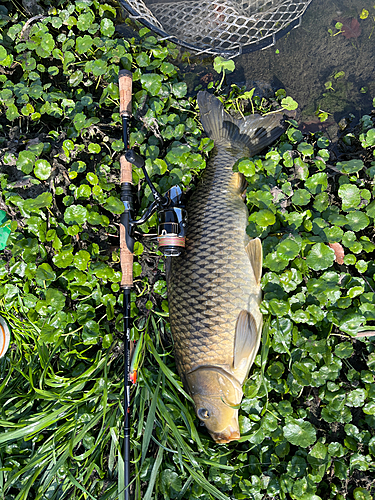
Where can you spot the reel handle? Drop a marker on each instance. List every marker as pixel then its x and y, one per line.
pixel 125 87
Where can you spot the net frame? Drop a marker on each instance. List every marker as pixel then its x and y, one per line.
pixel 219 27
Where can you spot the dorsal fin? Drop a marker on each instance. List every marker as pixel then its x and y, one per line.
pixel 255 253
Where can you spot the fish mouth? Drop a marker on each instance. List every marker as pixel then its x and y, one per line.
pixel 226 436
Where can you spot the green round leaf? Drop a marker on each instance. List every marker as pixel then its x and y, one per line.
pixel 45 272
pixel 3 53
pixel 179 89
pixel 83 191
pixel 333 234
pixel 362 266
pixel 351 322
pixel 274 262
pixel 299 432
pixel 225 65
pixel 321 202
pixel 318 455
pixel 322 142
pixel 143 60
pixel 53 70
pixel 137 269
pixel 317 183
pixel 305 148
pixel 336 449
pixel 12 112
pixel 320 257
pixel 263 218
pixel 42 169
pixel 351 166
pixel 152 83
pixel 275 370
pixel 290 279
pixel 55 298
pixel 84 44
pixel 25 161
pixel 90 332
pixel 246 167
pixel 85 21
pixel 357 220
pixel 74 80
pixel 79 121
pixel 356 398
pixel 362 494
pixel 355 291
pixel 107 27
pixel 344 350
pixel 350 196
pixel 81 259
pixel 279 307
pixel 114 205
pixel 301 197
pixel 117 145
pixel 92 178
pixel 350 259
pixel 75 214
pixel 63 259
pixel 138 248
pixel 288 248
pixel 289 103
pixel 94 148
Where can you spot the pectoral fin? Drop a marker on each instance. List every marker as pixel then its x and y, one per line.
pixel 255 253
pixel 246 344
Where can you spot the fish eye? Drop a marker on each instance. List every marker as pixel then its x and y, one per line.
pixel 203 413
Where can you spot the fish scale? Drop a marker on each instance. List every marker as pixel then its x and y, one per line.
pixel 213 287
pixel 212 241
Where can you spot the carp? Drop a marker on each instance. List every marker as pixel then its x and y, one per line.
pixel 214 285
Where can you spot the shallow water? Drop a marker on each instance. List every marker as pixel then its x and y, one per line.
pixel 333 72
pixel 308 58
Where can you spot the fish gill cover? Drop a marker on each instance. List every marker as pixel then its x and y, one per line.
pixel 307 418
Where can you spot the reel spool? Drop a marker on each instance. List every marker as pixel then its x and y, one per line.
pixel 172 224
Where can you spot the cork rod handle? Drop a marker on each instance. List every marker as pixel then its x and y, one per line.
pixel 126 256
pixel 125 87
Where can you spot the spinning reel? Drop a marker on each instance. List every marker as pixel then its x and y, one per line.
pixel 172 215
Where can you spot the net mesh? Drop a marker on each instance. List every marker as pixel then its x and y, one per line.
pixel 219 26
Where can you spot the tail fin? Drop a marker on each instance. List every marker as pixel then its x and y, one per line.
pixel 254 131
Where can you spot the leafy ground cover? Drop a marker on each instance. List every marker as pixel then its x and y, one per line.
pixel 307 418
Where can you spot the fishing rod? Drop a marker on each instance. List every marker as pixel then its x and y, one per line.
pixel 126 258
pixel 172 226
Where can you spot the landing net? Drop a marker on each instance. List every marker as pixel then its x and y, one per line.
pixel 221 27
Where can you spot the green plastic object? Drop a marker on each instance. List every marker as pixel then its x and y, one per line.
pixel 4 231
